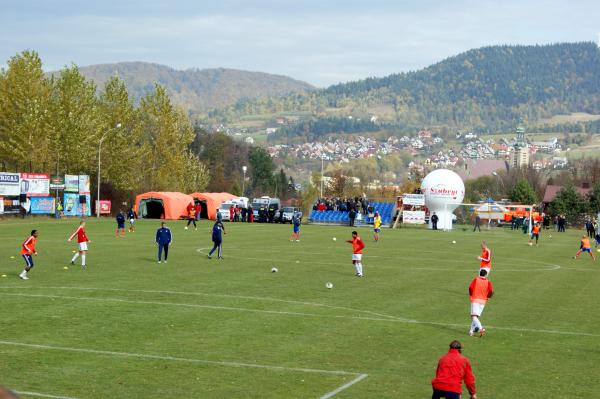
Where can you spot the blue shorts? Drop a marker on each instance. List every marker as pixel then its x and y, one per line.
pixel 588 250
pixel 296 229
pixel 533 235
pixel 28 260
pixel 120 225
pixel 376 230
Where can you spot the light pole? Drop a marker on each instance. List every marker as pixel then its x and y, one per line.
pixel 99 148
pixel 244 169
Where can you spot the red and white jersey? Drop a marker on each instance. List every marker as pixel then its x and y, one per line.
pixel 28 246
pixel 486 258
pixel 81 237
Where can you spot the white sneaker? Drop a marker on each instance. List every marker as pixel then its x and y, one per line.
pixel 158 261
pixel 24 276
pixel 185 227
pixel 471 333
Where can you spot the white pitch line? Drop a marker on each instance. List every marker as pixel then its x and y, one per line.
pixel 177 359
pixel 347 385
pixel 256 298
pixel 193 305
pixel 43 395
pixel 276 312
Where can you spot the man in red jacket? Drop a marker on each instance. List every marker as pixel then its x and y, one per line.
pixel 453 368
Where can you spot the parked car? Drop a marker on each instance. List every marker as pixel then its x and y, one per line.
pixel 287 213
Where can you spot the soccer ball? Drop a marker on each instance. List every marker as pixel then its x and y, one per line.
pixel 185 227
pixel 329 285
pixel 530 244
pixel 453 242
pixel 4 275
pixel 334 239
pixel 274 270
pixel 66 267
pixel 598 250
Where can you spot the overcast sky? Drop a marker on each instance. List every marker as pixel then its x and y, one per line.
pixel 322 41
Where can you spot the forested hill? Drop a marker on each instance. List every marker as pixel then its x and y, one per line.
pixel 197 90
pixel 488 89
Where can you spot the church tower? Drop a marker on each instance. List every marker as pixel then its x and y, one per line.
pixel 520 155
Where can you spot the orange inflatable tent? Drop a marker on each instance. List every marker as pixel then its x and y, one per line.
pixel 162 205
pixel 210 202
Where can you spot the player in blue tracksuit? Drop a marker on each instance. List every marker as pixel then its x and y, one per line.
pixel 163 239
pixel 217 237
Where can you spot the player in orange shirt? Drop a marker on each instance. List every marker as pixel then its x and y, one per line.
pixel 585 247
pixel 480 290
pixel 28 249
pixel 485 260
pixel 357 247
pixel 535 233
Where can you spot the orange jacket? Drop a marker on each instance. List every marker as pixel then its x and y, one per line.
pixel 480 290
pixel 357 245
pixel 486 258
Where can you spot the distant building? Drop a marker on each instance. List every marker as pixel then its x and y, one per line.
pixel 473 169
pixel 249 140
pixel 520 154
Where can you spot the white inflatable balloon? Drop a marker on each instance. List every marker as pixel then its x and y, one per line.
pixel 444 190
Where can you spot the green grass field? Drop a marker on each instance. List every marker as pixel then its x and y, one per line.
pixel 198 328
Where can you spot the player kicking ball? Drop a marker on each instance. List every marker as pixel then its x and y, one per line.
pixel 480 290
pixel 535 234
pixel 28 249
pixel 357 247
pixel 585 246
pixel 82 241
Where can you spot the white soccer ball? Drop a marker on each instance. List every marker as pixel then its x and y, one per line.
pixel 530 244
pixel 329 285
pixel 598 250
pixel 453 242
pixel 334 239
pixel 550 236
pixel 274 270
pixel 4 275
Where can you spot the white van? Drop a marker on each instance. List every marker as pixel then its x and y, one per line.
pixel 224 207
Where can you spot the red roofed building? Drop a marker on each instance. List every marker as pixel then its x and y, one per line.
pixel 475 168
pixel 552 191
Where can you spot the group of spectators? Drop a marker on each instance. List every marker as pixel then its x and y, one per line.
pixel 238 213
pixel 357 207
pixel 356 204
pixel 591 227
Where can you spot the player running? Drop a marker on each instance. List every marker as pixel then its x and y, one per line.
pixel 28 249
pixel 485 260
pixel 217 239
pixel 357 247
pixel 82 241
pixel 480 290
pixel 296 221
pixel 131 217
pixel 585 246
pixel 376 226
pixel 535 233
pixel 120 224
pixel 191 218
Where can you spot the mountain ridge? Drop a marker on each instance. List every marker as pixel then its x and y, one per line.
pixel 196 89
